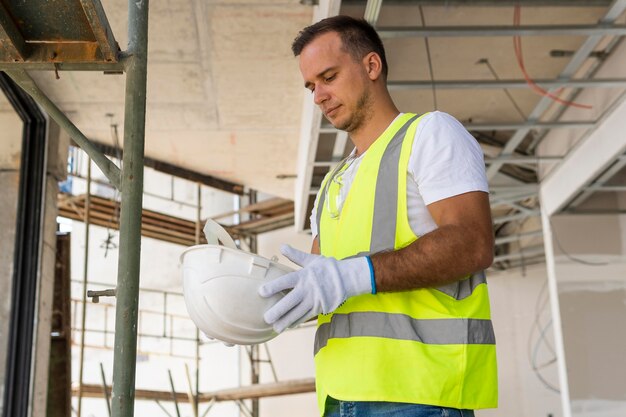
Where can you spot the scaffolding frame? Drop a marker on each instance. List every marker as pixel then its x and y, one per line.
pixel 96 49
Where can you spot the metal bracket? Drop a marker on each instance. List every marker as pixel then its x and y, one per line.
pixel 95 295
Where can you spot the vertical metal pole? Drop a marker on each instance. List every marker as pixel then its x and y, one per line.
pixel 81 360
pixel 106 325
pixel 255 366
pixel 198 228
pixel 105 389
pixel 125 349
pixel 556 313
pixel 174 398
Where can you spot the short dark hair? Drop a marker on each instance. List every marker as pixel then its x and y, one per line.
pixel 359 38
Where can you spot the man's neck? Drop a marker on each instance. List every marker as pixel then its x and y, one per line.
pixel 373 128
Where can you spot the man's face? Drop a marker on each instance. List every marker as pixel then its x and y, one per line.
pixel 339 83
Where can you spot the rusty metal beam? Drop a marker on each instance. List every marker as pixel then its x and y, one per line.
pixel 10 38
pixel 102 31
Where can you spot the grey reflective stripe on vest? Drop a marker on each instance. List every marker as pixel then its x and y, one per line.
pixel 461 331
pixel 320 206
pixel 386 200
pixel 464 288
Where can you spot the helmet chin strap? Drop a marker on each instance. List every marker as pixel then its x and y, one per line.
pixel 214 233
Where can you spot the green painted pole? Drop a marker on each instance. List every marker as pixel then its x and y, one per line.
pixel 125 349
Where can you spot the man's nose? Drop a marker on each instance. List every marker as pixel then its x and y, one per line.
pixel 320 95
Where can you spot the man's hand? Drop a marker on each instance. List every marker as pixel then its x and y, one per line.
pixel 321 286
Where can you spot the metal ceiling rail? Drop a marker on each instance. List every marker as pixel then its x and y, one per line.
pixel 48 35
pixel 489 3
pixel 478 31
pixel 496 200
pixel 523 159
pixel 479 127
pixel 517 216
pixel 559 82
pixel 517 236
pixel 615 10
pixel 609 188
pixel 599 183
pixel 513 160
pixel 526 253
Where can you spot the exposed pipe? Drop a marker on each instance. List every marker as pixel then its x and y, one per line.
pixel 83 320
pixel 126 311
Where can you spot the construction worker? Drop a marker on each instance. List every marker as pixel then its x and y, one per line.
pixel 402 235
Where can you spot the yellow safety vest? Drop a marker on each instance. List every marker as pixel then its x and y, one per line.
pixel 431 346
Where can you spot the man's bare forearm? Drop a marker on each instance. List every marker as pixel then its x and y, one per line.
pixel 442 256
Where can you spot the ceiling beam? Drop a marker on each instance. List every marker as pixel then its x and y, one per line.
pixel 479 31
pixel 10 37
pixel 598 184
pixel 508 84
pixel 176 171
pixel 592 156
pixel 615 11
pixel 517 237
pixel 99 24
pixel 488 127
pixel 525 253
pixel 494 3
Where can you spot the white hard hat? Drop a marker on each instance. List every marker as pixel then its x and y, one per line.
pixel 220 285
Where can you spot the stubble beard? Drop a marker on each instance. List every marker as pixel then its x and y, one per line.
pixel 362 114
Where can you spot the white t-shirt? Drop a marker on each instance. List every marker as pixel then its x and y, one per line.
pixel 445 161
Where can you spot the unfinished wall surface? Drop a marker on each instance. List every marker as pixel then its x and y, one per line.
pixel 593 309
pixel 58 142
pixel 10 154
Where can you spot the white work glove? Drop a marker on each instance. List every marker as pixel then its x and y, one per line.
pixel 321 286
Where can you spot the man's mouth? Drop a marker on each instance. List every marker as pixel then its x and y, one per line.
pixel 330 113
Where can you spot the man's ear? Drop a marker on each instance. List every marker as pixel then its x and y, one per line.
pixel 373 65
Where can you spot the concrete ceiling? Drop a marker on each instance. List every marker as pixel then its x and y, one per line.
pixel 224 92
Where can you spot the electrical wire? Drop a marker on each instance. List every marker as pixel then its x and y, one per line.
pixel 517 44
pixel 506 90
pixel 533 350
pixel 570 257
pixel 430 62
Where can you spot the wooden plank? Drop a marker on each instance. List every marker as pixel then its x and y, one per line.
pixel 272 389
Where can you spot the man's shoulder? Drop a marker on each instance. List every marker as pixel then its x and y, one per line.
pixel 438 116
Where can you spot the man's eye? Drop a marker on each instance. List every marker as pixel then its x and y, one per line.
pixel 332 77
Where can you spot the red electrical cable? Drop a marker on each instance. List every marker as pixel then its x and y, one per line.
pixel 517 44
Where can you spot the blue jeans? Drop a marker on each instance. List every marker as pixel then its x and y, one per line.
pixel 336 408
